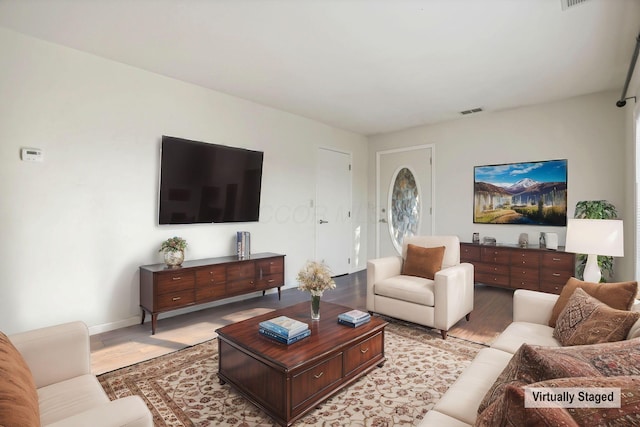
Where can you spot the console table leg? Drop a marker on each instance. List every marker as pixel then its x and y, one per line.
pixel 154 323
pixel 144 313
pixel 279 294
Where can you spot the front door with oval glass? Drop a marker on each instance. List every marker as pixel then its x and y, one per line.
pixel 404 197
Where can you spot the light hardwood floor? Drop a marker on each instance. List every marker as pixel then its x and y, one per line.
pixel 126 346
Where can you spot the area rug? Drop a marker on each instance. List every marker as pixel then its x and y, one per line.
pixel 182 389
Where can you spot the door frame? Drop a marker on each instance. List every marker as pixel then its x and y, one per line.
pixel 349 239
pixel 379 154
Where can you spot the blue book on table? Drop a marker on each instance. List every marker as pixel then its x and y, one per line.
pixel 280 338
pixel 284 326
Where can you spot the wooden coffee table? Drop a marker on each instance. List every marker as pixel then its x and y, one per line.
pixel 287 381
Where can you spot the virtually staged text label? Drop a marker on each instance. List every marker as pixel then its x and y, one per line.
pixel 571 397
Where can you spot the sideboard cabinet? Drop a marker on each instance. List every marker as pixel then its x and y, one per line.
pixel 515 267
pixel 205 280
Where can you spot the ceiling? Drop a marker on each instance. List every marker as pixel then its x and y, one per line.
pixel 368 66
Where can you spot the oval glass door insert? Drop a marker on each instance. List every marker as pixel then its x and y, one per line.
pixel 404 207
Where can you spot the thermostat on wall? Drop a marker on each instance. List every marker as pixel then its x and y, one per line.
pixel 31 155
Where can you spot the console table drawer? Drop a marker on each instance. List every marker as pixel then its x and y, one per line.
pixel 559 261
pixel 495 255
pixel 211 275
pixel 240 286
pixel 492 279
pixel 469 252
pixel 525 259
pixel 176 299
pixel 240 271
pixel 525 278
pixel 314 380
pixel 268 267
pixel 359 354
pixel 492 269
pixel 179 281
pixel 270 281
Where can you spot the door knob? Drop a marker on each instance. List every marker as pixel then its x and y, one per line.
pixel 384 221
pixel 322 221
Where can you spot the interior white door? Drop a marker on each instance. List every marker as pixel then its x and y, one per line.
pixel 333 210
pixel 404 197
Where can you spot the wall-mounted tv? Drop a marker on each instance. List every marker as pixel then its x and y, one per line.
pixel 206 183
pixel 533 193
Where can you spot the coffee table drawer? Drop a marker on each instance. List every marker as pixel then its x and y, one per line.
pixel 359 354
pixel 314 380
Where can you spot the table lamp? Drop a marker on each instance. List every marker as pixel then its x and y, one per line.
pixel 594 237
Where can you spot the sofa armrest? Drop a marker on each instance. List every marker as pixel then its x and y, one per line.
pixel 453 292
pixel 380 269
pixel 130 411
pixel 533 306
pixel 55 353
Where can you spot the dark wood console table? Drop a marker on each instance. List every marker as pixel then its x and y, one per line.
pixel 200 281
pixel 515 267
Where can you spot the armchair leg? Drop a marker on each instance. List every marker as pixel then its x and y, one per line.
pixel 468 316
pixel 444 334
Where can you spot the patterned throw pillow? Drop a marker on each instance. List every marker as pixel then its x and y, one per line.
pixel 619 295
pixel 510 410
pixel 531 364
pixel 18 395
pixel 423 262
pixel 586 320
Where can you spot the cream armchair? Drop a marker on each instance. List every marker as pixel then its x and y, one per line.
pixel 439 303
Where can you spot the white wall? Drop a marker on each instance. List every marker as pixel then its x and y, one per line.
pixel 589 131
pixel 76 227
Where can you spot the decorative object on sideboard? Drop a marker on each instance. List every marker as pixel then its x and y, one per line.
pixel 531 193
pixel 243 244
pixel 173 249
pixel 476 238
pixel 523 240
pixel 595 237
pixel 315 277
pixel 595 209
pixel 549 241
pixel 488 240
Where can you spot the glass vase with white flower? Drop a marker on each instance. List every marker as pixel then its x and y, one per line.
pixel 315 277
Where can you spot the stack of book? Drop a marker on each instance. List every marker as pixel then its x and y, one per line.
pixel 354 318
pixel 284 329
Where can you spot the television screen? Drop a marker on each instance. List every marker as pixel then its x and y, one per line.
pixel 203 183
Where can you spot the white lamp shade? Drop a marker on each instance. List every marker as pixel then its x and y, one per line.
pixel 595 237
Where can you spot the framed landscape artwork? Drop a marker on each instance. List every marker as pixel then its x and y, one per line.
pixel 533 193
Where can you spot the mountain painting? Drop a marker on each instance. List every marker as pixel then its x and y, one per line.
pixel 533 193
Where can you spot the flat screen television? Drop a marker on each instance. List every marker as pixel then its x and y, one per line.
pixel 206 183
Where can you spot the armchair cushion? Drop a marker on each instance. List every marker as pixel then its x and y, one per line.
pixel 586 320
pixel 18 395
pixel 407 288
pixel 620 296
pixel 423 262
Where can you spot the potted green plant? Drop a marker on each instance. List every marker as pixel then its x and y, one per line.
pixel 595 209
pixel 173 249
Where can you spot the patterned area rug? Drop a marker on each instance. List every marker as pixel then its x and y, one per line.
pixel 182 388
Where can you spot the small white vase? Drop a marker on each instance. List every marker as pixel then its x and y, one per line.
pixel 173 258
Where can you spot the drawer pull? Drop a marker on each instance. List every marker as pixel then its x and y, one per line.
pixel 319 375
pixel 176 298
pixel 176 278
pixel 271 280
pixel 557 259
pixel 556 274
pixel 364 351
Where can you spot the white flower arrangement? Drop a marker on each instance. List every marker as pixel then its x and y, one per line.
pixel 315 277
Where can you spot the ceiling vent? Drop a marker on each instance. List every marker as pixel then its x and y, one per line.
pixel 471 111
pixel 566 4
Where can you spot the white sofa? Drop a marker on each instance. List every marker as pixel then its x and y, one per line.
pixel 438 303
pixel 531 313
pixel 68 393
